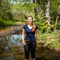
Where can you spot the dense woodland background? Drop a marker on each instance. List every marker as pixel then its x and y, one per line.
pixel 46 13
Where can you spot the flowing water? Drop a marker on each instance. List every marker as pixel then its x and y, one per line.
pixel 11 48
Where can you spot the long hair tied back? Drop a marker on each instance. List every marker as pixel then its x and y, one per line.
pixel 33 25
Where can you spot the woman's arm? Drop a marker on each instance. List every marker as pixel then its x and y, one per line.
pixel 37 34
pixel 23 35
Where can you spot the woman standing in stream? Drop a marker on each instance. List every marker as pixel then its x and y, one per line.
pixel 29 41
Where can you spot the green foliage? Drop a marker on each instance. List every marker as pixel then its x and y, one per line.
pixel 2 23
pixel 41 24
pixel 49 31
pixel 42 2
pixel 53 21
pixel 14 12
pixel 52 27
pixel 54 8
pixel 59 40
pixel 5 23
pixel 22 11
pixel 58 25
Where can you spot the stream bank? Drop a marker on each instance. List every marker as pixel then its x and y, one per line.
pixel 15 29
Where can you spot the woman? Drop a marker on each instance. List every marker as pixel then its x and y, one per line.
pixel 29 42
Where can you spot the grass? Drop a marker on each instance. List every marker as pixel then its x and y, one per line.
pixel 6 23
pixel 50 39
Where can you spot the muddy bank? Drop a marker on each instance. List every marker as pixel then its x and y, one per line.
pixel 15 29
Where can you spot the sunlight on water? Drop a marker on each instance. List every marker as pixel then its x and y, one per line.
pixel 14 40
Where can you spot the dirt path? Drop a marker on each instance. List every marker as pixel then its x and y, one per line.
pixel 15 29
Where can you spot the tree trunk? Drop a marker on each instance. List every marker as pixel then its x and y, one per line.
pixel 36 13
pixel 35 10
pixel 48 13
pixel 39 8
pixel 57 17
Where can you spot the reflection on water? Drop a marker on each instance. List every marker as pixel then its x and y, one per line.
pixel 11 48
pixel 14 40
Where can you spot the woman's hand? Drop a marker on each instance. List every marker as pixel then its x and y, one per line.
pixel 24 42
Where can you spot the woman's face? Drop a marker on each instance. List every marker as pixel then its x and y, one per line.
pixel 29 20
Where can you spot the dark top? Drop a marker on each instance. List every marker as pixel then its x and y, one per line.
pixel 29 34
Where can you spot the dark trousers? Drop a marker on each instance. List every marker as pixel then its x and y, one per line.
pixel 31 45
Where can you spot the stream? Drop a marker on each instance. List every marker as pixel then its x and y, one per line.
pixel 11 48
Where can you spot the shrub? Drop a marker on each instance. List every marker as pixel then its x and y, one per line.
pixel 58 27
pixel 2 23
pixel 49 31
pixel 41 23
